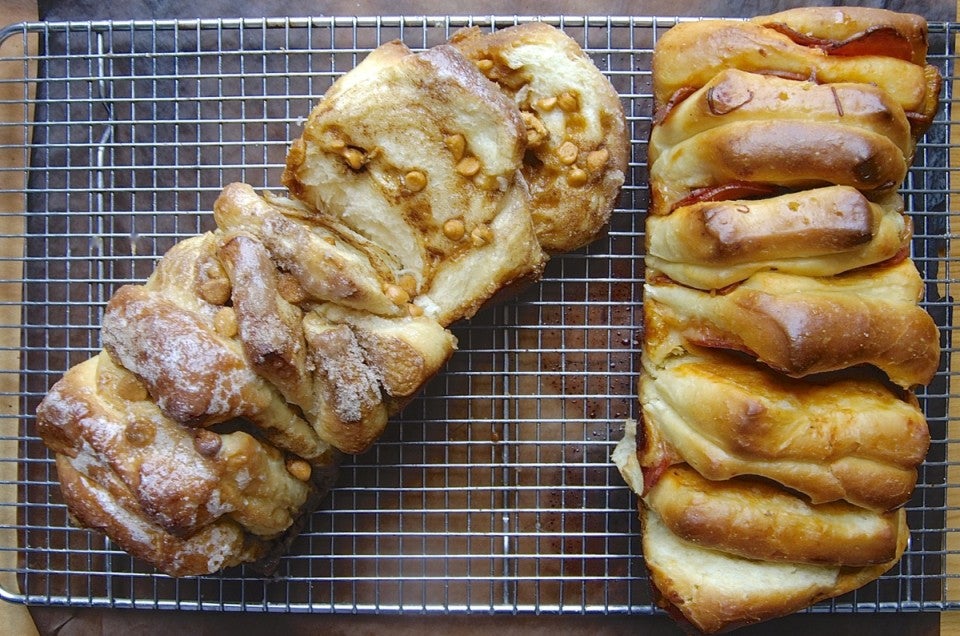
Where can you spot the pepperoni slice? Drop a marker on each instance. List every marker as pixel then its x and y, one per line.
pixel 877 40
pixel 728 192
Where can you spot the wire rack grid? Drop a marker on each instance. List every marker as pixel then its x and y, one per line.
pixel 493 491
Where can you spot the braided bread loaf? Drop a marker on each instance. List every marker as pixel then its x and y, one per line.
pixel 216 413
pixel 782 336
pixel 234 379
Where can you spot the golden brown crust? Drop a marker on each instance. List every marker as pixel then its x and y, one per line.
pixel 782 153
pixel 234 377
pixel 757 520
pixel 510 260
pixel 578 145
pixel 221 331
pixel 328 261
pixel 820 232
pixel 355 159
pixel 348 406
pixel 219 545
pixel 403 356
pixel 268 326
pixel 690 55
pixel 196 375
pixel 736 96
pixel 775 448
pixel 851 439
pixel 854 30
pixel 181 499
pixel 716 591
pixel 802 325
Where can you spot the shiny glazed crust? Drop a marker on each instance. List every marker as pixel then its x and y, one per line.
pixel 776 153
pixel 757 520
pixel 903 35
pixel 819 232
pixel 738 96
pixel 783 337
pixel 710 589
pixel 851 439
pixel 803 325
pixel 689 57
pixel 714 590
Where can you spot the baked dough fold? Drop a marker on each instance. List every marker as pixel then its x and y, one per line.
pixel 852 439
pixel 819 232
pixel 803 325
pixel 577 143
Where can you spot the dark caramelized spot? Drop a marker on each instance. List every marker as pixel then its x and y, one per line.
pixel 675 100
pixel 725 98
pixel 207 443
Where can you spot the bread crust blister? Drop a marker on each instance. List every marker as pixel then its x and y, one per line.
pixel 782 332
pixel 234 379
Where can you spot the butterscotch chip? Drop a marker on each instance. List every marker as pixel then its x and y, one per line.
pixel 547 104
pixel 414 310
pixel 485 65
pixel 290 288
pixel 140 432
pixel 408 283
pixel 130 388
pixel 456 144
pixel 568 153
pixel 225 322
pixel 481 235
pixel 215 291
pixel 396 294
pixel 454 229
pixel 568 102
pixel 354 158
pixel 415 181
pixel 468 166
pixel 537 133
pixel 576 177
pixel 299 469
pixel 597 159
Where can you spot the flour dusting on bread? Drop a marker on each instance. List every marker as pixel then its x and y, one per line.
pixel 236 376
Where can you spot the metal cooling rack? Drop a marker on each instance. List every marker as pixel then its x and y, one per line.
pixel 494 490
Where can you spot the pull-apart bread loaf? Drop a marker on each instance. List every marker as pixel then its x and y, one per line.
pixel 780 438
pixel 234 379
